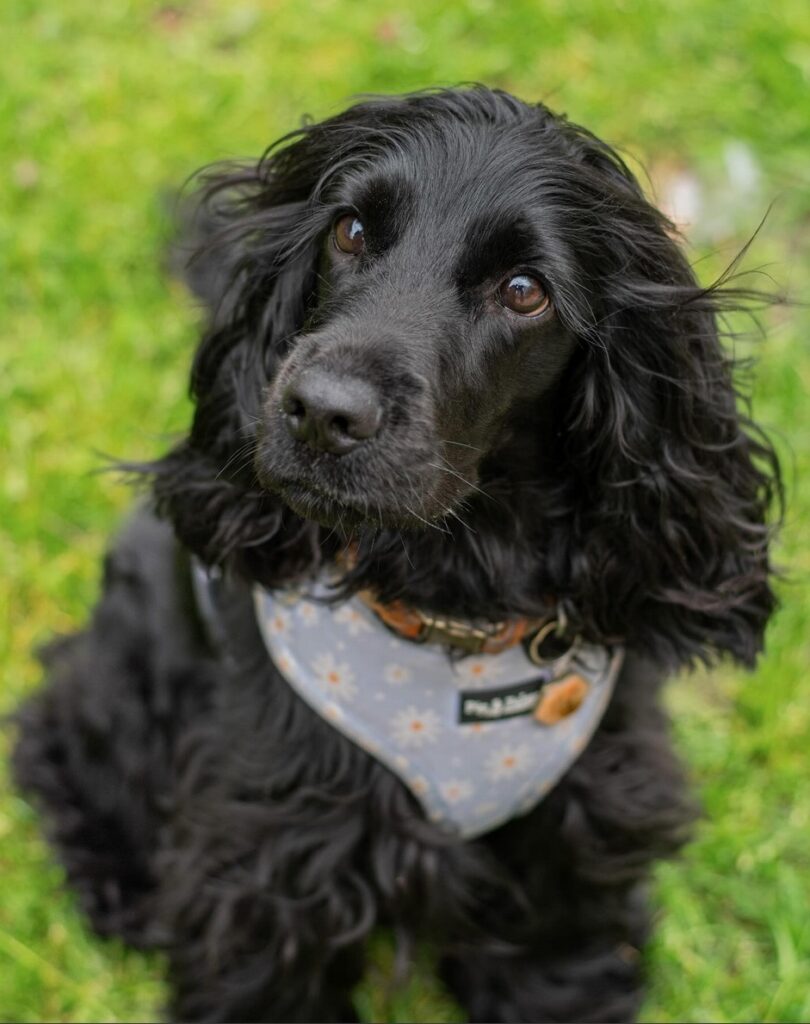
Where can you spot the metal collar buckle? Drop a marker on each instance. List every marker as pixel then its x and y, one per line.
pixel 456 632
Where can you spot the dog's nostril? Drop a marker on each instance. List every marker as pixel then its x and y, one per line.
pixel 341 424
pixel 293 406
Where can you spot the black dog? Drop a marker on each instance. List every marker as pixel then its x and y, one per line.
pixel 457 358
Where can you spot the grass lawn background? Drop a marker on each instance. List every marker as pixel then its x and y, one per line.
pixel 105 106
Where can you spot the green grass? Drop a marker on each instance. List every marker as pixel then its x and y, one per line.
pixel 103 106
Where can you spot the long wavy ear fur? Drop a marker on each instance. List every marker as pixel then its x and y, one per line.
pixel 669 481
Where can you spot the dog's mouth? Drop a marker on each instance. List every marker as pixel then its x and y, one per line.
pixel 401 477
pixel 311 502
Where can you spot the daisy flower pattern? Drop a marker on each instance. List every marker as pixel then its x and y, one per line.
pixel 352 619
pixel 455 790
pixel 413 728
pixel 396 674
pixel 474 730
pixel 479 670
pixel 508 761
pixel 420 785
pixel 279 623
pixel 308 613
pixel 336 678
pixel 332 711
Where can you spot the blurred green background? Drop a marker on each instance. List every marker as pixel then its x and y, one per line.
pixel 104 106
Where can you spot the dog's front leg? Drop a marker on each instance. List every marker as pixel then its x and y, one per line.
pixel 263 881
pixel 267 925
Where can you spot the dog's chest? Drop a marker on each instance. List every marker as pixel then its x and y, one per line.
pixel 460 734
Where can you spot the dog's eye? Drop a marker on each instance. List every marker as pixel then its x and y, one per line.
pixel 349 234
pixel 523 294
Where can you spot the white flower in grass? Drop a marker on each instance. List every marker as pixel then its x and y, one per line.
pixel 396 674
pixel 479 669
pixel 456 790
pixel 413 728
pixel 308 613
pixel 508 761
pixel 352 619
pixel 337 678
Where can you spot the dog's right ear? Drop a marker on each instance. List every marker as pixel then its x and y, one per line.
pixel 195 257
pixel 248 246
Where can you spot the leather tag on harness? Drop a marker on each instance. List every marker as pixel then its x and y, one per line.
pixel 561 699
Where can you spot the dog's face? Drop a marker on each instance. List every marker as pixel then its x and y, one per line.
pixel 433 338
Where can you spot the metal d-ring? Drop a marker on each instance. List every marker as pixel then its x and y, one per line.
pixel 556 626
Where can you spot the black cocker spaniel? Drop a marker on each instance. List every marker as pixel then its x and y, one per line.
pixel 458 368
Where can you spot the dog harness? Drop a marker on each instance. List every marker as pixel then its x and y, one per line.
pixel 478 739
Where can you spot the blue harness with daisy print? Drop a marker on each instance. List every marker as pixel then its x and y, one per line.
pixel 460 733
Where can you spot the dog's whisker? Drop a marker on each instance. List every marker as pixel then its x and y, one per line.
pixel 463 479
pixel 454 515
pixel 405 550
pixel 245 452
pixel 433 526
pixel 462 444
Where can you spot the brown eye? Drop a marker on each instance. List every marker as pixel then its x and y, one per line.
pixel 524 294
pixel 349 234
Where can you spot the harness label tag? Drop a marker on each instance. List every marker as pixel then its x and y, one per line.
pixel 500 702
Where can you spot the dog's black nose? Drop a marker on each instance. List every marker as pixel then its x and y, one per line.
pixel 332 414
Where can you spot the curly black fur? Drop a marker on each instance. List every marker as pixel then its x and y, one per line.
pixel 597 453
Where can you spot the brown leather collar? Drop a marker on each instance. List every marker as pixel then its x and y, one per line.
pixel 475 638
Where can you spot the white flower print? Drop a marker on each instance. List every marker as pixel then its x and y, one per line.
pixel 336 678
pixel 413 728
pixel 308 613
pixel 455 790
pixel 508 761
pixel 284 663
pixel 419 785
pixel 396 674
pixel 352 619
pixel 479 670
pixel 474 730
pixel 486 809
pixel 332 711
pixel 279 623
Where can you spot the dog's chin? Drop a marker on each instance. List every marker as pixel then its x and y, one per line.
pixel 344 514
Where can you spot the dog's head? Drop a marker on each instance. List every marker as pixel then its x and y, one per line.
pixel 431 303
pixel 431 338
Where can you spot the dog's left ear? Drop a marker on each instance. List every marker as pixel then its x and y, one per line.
pixel 674 482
